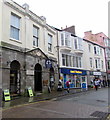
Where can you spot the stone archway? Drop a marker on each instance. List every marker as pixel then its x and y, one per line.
pixel 38 77
pixel 15 77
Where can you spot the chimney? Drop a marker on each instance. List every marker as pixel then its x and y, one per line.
pixel 26 7
pixel 61 28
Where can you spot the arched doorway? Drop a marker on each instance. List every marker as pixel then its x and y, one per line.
pixel 15 77
pixel 38 77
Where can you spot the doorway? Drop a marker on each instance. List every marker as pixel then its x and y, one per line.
pixel 38 77
pixel 15 77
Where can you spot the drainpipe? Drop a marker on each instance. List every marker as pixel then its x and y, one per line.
pixel 106 61
pixel 58 55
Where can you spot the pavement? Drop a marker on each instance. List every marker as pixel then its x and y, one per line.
pixel 20 100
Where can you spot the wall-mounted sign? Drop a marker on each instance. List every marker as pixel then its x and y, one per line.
pixel 30 92
pixel 7 95
pixel 73 71
pixel 30 72
pixel 48 63
pixel 96 73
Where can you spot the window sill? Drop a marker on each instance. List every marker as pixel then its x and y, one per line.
pixel 18 41
pixel 35 47
pixel 50 53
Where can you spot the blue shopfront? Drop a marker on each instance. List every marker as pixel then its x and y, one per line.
pixel 78 77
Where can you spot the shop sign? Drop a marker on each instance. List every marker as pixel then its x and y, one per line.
pixel 76 71
pixel 30 72
pixel 48 63
pixel 96 73
pixel 7 95
pixel 30 92
pixel 73 71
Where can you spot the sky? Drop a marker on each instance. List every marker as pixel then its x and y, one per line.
pixel 85 15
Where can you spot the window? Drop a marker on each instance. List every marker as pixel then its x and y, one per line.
pixel 91 64
pixel 109 64
pixel 66 39
pixel 35 36
pixel 95 50
pixel 78 43
pixel 75 43
pixel 73 61
pixel 97 63
pixel 89 46
pixel 49 42
pixel 70 64
pixel 15 27
pixel 62 39
pixel 102 64
pixel 66 60
pixel 101 51
pixel 80 63
pixel 63 60
pixel 76 61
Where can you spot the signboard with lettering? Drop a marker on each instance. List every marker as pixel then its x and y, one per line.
pixel 96 73
pixel 30 92
pixel 73 71
pixel 7 95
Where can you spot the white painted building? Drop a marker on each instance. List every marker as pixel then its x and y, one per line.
pixel 70 54
pixel 94 60
pixel 28 49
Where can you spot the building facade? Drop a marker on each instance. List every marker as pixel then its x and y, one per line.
pixel 71 59
pixel 28 48
pixel 102 40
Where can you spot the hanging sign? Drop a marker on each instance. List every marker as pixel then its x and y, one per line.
pixel 7 95
pixel 48 63
pixel 30 92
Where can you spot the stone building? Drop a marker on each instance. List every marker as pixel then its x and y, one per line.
pixel 28 50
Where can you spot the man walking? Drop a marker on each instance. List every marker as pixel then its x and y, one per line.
pixel 68 85
pixel 96 83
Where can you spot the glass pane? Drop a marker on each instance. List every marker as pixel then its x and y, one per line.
pixel 50 39
pixel 15 21
pixel 35 31
pixel 14 33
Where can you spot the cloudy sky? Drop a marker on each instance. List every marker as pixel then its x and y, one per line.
pixel 84 14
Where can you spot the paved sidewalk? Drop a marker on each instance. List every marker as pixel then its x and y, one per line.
pixel 40 97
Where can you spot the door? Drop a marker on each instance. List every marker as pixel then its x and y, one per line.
pixel 38 77
pixel 15 77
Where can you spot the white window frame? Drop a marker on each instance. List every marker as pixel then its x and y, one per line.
pixel 91 62
pixel 16 27
pixel 35 36
pixel 50 42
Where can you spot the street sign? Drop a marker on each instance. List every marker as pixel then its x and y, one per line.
pixel 7 95
pixel 30 92
pixel 48 63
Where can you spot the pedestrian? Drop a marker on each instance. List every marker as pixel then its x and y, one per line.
pixel 68 85
pixel 60 85
pixel 96 83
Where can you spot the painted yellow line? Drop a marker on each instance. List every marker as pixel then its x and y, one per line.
pixel 3 109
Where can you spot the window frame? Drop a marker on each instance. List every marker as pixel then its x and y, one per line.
pixel 50 43
pixel 14 27
pixel 36 37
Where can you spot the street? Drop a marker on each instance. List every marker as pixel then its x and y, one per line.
pixel 90 104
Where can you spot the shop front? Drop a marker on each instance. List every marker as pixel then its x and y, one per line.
pixel 78 77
